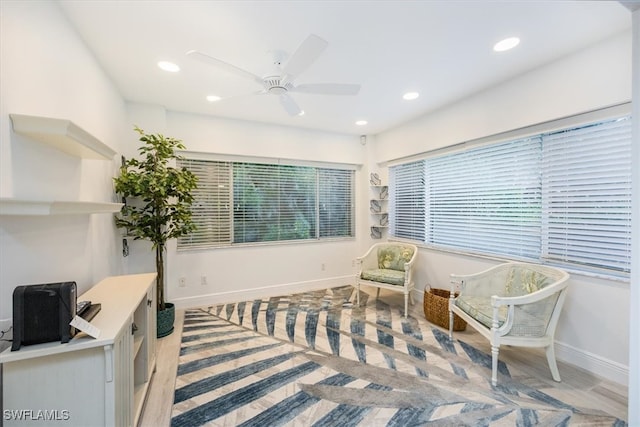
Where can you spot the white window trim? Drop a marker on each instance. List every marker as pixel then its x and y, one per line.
pixel 523 132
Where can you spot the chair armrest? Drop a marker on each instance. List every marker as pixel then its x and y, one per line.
pixel 414 257
pixel 369 260
pixel 533 297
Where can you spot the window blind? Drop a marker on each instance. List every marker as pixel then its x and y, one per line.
pixel 273 202
pixel 336 203
pixel 239 202
pixel 212 202
pixel 586 181
pixel 487 199
pixel 560 197
pixel 407 201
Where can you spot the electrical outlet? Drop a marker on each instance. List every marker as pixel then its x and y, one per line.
pixel 353 263
pixel 203 280
pixel 182 282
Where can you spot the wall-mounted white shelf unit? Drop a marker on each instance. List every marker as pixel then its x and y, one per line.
pixel 378 208
pixel 10 206
pixel 62 134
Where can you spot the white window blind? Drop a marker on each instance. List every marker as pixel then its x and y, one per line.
pixel 487 199
pixel 407 202
pixel 238 203
pixel 586 181
pixel 336 203
pixel 273 202
pixel 561 197
pixel 212 202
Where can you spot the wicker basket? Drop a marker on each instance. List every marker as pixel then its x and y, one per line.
pixel 436 309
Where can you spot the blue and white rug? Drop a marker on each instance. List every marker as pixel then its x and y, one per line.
pixel 317 359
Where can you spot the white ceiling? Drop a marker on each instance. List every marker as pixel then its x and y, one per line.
pixel 442 49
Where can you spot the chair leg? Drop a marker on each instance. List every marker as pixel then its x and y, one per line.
pixel 411 300
pixel 406 304
pixel 358 294
pixel 551 360
pixel 378 294
pixel 450 325
pixel 494 364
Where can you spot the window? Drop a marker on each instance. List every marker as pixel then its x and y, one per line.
pixel 273 202
pixel 586 182
pixel 240 203
pixel 212 203
pixel 561 197
pixel 487 199
pixel 335 193
pixel 407 206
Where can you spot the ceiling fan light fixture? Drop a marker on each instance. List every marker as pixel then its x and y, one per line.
pixel 168 66
pixel 409 96
pixel 277 90
pixel 213 98
pixel 506 44
pixel 361 122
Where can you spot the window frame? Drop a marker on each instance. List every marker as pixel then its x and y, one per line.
pixel 349 169
pixel 580 120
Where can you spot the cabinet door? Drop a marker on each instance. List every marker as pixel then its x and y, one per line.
pixel 71 388
pixel 120 378
pixel 151 325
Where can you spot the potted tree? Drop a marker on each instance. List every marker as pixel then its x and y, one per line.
pixel 162 196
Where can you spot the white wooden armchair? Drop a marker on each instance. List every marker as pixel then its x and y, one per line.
pixel 513 304
pixel 388 266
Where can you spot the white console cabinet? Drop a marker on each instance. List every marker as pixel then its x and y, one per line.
pixel 87 381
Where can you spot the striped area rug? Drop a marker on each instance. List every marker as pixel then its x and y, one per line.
pixel 317 359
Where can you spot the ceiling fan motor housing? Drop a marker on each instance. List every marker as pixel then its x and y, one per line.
pixel 273 85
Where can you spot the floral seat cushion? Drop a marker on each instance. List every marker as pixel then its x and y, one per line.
pixel 384 275
pixel 391 261
pixel 394 257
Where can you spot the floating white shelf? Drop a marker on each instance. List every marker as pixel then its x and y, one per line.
pixel 63 135
pixel 35 207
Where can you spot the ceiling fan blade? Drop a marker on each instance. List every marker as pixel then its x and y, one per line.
pixel 203 57
pixel 303 57
pixel 328 89
pixel 290 105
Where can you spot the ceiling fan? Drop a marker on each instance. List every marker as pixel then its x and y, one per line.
pixel 281 82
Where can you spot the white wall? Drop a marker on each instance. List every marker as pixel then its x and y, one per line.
pixel 593 331
pixel 47 71
pixel 250 271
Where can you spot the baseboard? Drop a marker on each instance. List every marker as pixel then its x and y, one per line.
pixel 593 363
pixel 263 292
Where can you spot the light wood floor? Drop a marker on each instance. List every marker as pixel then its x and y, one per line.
pixel 578 387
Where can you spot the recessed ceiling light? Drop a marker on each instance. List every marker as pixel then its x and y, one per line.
pixel 168 66
pixel 506 44
pixel 361 122
pixel 213 98
pixel 301 113
pixel 410 95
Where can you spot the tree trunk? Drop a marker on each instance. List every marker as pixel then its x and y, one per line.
pixel 160 277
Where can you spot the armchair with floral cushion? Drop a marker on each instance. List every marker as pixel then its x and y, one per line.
pixel 388 266
pixel 514 303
